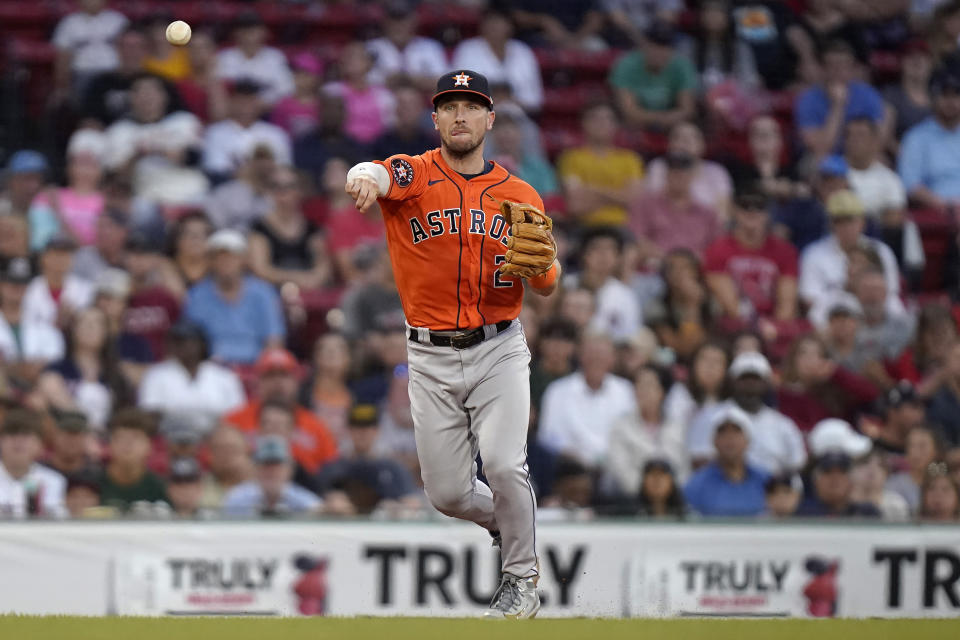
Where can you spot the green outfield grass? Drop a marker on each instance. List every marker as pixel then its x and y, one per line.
pixel 72 628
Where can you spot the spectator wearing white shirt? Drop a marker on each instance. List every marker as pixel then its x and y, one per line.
pixel 187 381
pixel 502 59
pixel 230 141
pixel 401 51
pixel 617 312
pixel 54 295
pixel 25 347
pixel 882 193
pixel 238 203
pixel 154 144
pixel 27 489
pixel 252 58
pixel 88 378
pixel 648 434
pixel 84 42
pixel 824 264
pixel 776 444
pixel 877 185
pixel 578 411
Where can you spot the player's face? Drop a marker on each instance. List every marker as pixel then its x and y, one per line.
pixel 463 123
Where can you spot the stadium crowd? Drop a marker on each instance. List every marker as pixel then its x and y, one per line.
pixel 196 322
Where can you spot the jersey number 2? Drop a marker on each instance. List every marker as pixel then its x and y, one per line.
pixel 497 282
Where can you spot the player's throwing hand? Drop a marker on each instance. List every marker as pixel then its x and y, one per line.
pixel 364 190
pixel 365 183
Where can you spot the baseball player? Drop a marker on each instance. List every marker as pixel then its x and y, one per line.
pixel 463 252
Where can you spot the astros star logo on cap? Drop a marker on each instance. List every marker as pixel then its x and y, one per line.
pixel 462 80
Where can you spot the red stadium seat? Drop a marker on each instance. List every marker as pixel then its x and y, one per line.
pixel 937 231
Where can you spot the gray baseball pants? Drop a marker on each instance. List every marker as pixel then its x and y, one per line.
pixel 478 400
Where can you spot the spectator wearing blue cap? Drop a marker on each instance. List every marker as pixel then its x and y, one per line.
pixel 804 220
pixel 822 110
pixel 929 160
pixel 728 486
pixel 272 493
pixel 25 175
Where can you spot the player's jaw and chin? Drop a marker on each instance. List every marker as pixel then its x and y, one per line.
pixel 461 148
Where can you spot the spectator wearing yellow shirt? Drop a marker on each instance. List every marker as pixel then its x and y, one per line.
pixel 599 179
pixel 164 59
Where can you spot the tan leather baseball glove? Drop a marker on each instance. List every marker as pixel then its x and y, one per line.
pixel 531 248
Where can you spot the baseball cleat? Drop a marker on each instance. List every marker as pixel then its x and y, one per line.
pixel 497 541
pixel 517 598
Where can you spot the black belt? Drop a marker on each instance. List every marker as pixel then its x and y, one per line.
pixel 462 340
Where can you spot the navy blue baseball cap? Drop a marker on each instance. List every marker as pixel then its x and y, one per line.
pixel 833 165
pixel 464 81
pixel 27 161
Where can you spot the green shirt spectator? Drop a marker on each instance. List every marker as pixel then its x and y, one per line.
pixel 148 488
pixel 655 85
pixel 126 479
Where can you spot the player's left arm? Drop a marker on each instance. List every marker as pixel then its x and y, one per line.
pixel 554 280
pixel 546 283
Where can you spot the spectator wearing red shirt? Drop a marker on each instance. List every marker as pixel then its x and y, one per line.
pixel 751 272
pixel 923 364
pixel 348 229
pixel 152 308
pixel 277 371
pixel 672 219
pixel 815 388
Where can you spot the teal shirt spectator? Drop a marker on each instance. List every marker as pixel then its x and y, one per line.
pixel 930 157
pixel 710 493
pixel 654 91
pixel 537 172
pixel 238 329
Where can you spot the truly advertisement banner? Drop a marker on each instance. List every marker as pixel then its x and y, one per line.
pixel 799 572
pixel 630 569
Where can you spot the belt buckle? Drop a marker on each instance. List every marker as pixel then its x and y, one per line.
pixel 462 341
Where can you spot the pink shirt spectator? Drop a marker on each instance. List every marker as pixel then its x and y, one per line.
pixel 78 210
pixel 754 271
pixel 692 226
pixel 369 112
pixel 711 186
pixel 295 116
pixel 348 229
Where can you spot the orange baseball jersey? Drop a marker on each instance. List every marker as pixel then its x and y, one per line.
pixel 447 237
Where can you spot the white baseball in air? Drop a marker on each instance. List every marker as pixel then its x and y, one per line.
pixel 178 32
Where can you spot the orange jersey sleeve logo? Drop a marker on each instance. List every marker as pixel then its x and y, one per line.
pixel 447 237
